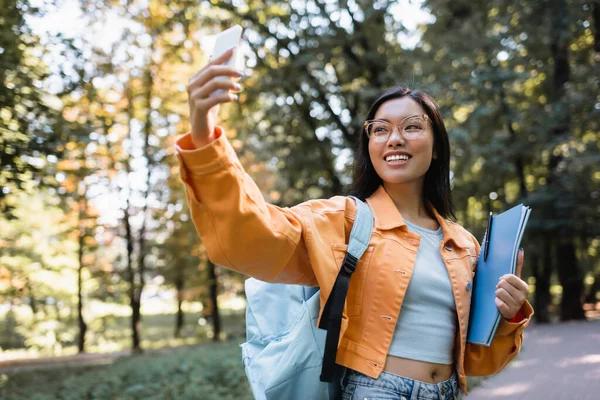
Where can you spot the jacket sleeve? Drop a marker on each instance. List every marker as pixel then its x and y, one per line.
pixel 239 229
pixel 506 344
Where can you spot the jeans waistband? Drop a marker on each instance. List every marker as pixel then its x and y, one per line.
pixel 446 390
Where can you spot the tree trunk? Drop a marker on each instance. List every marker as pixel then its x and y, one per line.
pixel 136 298
pixel 214 291
pixel 179 284
pixel 543 272
pixel 133 290
pixel 570 277
pixel 571 307
pixel 591 296
pixel 81 320
pixel 518 161
pixel 32 301
pixel 135 321
pixel 82 234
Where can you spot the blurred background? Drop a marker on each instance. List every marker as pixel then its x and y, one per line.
pixel 98 257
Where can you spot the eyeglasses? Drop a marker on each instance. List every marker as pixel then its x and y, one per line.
pixel 410 128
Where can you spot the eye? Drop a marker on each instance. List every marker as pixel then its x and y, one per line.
pixel 379 129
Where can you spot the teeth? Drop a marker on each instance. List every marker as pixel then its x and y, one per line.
pixel 397 158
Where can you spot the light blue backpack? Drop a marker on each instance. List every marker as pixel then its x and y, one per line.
pixel 286 356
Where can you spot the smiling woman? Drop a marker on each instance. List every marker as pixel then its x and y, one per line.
pixel 403 331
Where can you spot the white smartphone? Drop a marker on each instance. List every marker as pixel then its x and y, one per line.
pixel 223 42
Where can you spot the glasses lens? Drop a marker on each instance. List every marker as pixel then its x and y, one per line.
pixel 413 127
pixel 379 130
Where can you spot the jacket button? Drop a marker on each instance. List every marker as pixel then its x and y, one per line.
pixel 448 247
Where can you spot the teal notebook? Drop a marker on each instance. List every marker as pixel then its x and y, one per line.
pixel 497 257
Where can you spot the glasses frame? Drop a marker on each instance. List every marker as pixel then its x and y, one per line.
pixel 396 127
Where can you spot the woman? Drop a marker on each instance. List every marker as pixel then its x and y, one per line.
pixel 399 341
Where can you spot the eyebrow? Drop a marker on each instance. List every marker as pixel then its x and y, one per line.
pixel 387 120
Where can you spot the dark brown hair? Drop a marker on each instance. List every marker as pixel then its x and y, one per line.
pixel 436 189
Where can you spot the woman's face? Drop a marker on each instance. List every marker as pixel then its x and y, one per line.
pixel 419 150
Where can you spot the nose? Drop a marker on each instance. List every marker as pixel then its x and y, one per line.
pixel 396 138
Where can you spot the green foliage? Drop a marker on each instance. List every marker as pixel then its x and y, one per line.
pixel 31 125
pixel 47 333
pixel 205 372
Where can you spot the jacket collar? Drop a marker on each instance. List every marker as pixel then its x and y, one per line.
pixel 388 217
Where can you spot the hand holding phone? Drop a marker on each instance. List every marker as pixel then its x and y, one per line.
pixel 217 75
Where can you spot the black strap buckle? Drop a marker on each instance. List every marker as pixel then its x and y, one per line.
pixel 349 263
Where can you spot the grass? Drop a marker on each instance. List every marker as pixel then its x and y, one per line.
pixel 208 371
pixel 113 333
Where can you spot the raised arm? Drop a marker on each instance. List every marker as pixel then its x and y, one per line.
pixel 238 228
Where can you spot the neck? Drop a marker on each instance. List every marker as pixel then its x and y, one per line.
pixel 408 198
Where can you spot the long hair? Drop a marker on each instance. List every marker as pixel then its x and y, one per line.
pixel 436 188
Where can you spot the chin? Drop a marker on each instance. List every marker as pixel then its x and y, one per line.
pixel 399 180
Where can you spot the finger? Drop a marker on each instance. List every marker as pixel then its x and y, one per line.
pixel 503 308
pixel 515 281
pixel 507 298
pixel 520 258
pixel 213 72
pixel 220 99
pixel 513 291
pixel 222 58
pixel 224 84
pixel 217 61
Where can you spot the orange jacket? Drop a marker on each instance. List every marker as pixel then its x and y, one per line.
pixel 305 244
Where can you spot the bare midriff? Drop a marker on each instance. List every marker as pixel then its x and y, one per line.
pixel 419 370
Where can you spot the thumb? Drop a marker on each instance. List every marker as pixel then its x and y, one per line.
pixel 520 258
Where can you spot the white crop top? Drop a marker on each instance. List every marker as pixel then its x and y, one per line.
pixel 427 324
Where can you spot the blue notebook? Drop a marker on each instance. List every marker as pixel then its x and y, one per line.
pixel 497 257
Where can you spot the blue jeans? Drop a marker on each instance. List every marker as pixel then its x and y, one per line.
pixel 357 386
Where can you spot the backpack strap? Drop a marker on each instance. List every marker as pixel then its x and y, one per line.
pixel 331 320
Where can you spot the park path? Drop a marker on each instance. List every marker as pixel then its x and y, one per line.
pixel 85 359
pixel 557 362
pixel 24 364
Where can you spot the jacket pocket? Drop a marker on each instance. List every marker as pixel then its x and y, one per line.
pixel 357 280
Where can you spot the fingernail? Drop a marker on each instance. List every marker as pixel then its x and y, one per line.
pixel 235 96
pixel 237 86
pixel 240 73
pixel 521 249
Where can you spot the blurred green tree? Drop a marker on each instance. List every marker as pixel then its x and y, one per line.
pixel 31 124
